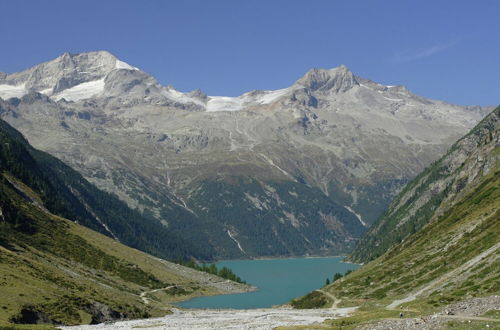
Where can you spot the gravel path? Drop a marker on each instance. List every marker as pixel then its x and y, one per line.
pixel 332 297
pixel 267 318
pixel 443 279
pixel 466 311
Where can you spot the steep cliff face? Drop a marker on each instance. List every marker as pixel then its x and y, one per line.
pixel 300 170
pixel 435 190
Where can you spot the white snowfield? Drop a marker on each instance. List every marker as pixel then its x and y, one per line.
pixel 122 65
pixel 81 91
pixel 227 103
pixel 180 97
pixel 8 91
pixel 267 318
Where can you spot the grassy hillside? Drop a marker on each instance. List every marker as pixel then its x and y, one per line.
pixel 441 259
pixel 434 190
pixel 53 270
pixel 66 193
pixel 453 256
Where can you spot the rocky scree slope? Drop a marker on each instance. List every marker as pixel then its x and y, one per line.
pixel 53 270
pixel 455 254
pixel 300 170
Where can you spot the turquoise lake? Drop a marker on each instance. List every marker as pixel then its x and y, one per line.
pixel 278 281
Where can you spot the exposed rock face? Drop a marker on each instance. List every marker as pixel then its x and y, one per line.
pixel 332 81
pixel 437 189
pixel 285 172
pixel 64 72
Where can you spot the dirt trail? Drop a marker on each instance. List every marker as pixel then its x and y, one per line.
pixel 467 317
pixel 444 278
pixel 146 300
pixel 332 297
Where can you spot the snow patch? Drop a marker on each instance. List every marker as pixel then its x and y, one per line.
pixel 271 96
pixel 47 91
pixel 8 91
pixel 180 97
pixel 235 240
pixel 81 91
pixel 224 103
pixel 122 65
pixel 394 100
pixel 227 103
pixel 357 215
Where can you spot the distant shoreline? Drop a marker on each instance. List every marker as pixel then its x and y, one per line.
pixel 291 257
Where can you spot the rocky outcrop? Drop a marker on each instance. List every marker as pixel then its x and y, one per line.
pixel 336 80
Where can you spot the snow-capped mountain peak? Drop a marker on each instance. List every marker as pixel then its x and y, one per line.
pixel 70 76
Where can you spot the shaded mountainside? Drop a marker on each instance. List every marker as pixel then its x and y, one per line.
pixel 302 170
pixel 455 253
pixel 435 190
pixel 53 270
pixel 66 193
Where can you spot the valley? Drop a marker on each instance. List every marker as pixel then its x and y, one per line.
pixel 56 271
pixel 302 170
pixel 335 164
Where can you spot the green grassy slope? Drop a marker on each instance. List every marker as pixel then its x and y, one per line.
pixel 438 257
pixel 53 270
pixel 432 191
pixel 65 192
pixel 454 256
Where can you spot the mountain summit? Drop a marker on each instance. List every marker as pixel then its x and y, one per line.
pixel 299 170
pixel 70 76
pixel 338 79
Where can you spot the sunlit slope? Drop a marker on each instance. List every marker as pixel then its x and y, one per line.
pixel 455 255
pixel 435 190
pixel 53 270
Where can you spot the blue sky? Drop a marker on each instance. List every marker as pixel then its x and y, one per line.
pixel 447 50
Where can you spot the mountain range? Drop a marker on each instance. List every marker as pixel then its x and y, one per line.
pixel 301 170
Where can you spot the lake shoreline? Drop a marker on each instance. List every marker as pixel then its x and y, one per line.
pixel 290 257
pixel 278 281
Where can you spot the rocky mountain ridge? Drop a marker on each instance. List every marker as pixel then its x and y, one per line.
pixel 438 242
pixel 435 190
pixel 294 171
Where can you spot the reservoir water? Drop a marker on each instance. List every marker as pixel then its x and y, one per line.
pixel 277 280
